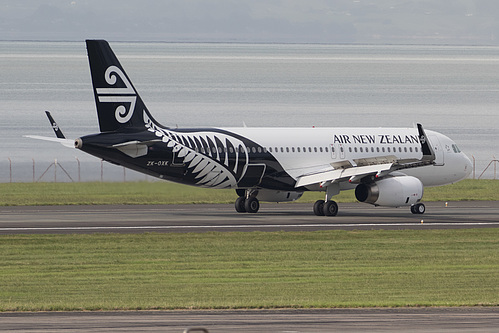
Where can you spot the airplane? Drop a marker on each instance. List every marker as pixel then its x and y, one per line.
pixel 385 166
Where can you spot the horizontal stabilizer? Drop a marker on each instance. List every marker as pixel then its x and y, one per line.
pixel 65 142
pixel 133 148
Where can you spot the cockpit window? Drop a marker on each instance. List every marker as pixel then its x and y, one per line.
pixel 456 148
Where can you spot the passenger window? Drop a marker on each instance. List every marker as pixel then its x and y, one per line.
pixel 355 149
pixel 315 149
pixel 293 149
pixel 298 149
pixel 253 150
pixel 405 149
pixel 383 149
pixel 326 150
pixel 377 149
pixel 388 149
pixel 350 149
pixel 287 149
pixel 410 149
pixel 320 148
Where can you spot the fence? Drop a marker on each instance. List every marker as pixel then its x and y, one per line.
pixel 68 171
pixel 494 162
pixel 98 170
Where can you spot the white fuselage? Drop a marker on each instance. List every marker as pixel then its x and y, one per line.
pixel 304 150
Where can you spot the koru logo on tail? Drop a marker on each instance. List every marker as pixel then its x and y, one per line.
pixel 124 96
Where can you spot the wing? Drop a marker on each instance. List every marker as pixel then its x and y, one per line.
pixel 375 166
pixel 58 133
pixel 55 127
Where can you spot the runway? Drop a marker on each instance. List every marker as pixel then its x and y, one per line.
pixel 272 217
pixel 479 319
pixel 218 217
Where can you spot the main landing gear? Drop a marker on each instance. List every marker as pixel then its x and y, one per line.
pixel 330 208
pixel 247 202
pixel 325 208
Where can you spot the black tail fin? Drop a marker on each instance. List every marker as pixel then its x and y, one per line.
pixel 119 106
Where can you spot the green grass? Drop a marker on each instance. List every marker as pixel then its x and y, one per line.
pixel 250 270
pixel 15 194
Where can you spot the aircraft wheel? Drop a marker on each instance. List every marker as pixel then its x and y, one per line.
pixel 319 208
pixel 240 205
pixel 418 209
pixel 252 205
pixel 330 208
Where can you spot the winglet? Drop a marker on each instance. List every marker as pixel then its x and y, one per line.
pixel 60 137
pixel 55 127
pixel 428 153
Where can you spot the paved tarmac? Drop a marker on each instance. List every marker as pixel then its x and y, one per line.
pixel 479 319
pixel 271 217
pixel 202 218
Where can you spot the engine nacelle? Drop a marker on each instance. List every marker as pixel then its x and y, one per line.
pixel 278 196
pixel 392 192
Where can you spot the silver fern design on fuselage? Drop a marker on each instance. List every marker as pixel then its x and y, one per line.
pixel 215 159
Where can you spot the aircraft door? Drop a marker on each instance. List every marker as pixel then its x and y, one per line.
pixel 438 149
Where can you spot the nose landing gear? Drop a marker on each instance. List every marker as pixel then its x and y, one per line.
pixel 418 208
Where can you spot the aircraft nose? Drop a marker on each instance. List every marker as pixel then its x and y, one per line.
pixel 468 166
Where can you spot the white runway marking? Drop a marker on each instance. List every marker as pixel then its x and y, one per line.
pixel 247 226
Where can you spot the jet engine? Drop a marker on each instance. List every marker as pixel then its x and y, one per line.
pixel 278 196
pixel 392 191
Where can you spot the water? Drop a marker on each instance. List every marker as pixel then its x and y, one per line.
pixel 450 89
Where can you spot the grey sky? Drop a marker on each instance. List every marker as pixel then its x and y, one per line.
pixel 310 21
